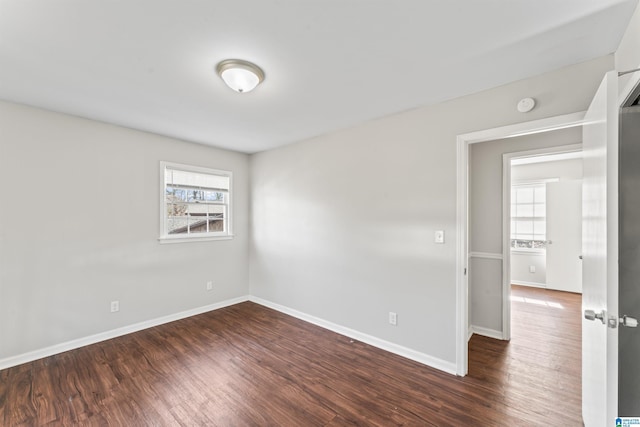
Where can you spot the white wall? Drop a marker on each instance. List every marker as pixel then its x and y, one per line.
pixel 79 225
pixel 562 170
pixel 485 219
pixel 627 56
pixel 521 274
pixel 342 224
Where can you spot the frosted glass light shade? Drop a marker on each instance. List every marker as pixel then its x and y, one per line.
pixel 241 76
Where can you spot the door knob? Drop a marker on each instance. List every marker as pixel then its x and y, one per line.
pixel 592 315
pixel 629 322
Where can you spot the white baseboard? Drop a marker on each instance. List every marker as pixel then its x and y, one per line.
pixel 92 339
pixel 486 332
pixel 425 359
pixel 532 284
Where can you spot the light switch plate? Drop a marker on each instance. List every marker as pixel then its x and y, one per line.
pixel 439 236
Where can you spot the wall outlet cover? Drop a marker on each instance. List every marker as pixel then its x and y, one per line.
pixel 393 318
pixel 115 306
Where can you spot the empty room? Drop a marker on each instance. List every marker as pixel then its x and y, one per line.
pixel 271 212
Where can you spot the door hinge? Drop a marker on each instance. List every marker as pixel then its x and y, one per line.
pixel 465 271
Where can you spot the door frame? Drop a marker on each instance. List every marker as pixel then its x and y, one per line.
pixel 462 215
pixel 506 222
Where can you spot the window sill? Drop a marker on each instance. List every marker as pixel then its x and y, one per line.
pixel 165 240
pixel 526 251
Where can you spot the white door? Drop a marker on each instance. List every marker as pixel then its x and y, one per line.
pixel 564 235
pixel 600 256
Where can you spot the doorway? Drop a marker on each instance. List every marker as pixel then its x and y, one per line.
pixel 542 343
pixel 500 311
pixel 542 217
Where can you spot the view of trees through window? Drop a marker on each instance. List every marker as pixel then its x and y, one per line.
pixel 195 202
pixel 194 210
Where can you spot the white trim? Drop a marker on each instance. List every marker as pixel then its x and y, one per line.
pixel 462 164
pixel 525 128
pixel 425 359
pixel 486 255
pixel 532 284
pixel 486 332
pixel 195 238
pixel 528 251
pixel 533 181
pixel 462 257
pixel 114 333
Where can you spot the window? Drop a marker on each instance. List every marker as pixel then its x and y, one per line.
pixel 528 216
pixel 195 203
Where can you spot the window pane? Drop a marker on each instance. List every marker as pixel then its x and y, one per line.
pixel 175 194
pixel 524 195
pixel 216 210
pixel 213 196
pixel 539 211
pixel 524 211
pixel 540 194
pixel 524 227
pixel 197 209
pixel 540 227
pixel 198 224
pixel 217 216
pixel 194 195
pixel 177 219
pixel 216 225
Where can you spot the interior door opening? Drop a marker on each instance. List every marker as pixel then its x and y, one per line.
pixel 545 276
pixel 539 352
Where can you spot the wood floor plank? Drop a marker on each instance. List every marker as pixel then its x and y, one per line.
pixel 247 365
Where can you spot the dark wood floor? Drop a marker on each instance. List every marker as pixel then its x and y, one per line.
pixel 249 365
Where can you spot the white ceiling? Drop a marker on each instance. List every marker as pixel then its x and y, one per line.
pixel 329 64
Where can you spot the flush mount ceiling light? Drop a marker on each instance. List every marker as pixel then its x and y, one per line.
pixel 241 76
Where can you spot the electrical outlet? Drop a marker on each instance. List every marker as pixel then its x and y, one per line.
pixel 209 285
pixel 115 306
pixel 393 318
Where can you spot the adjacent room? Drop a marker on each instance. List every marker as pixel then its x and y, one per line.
pixel 318 213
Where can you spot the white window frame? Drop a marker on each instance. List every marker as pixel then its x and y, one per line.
pixel 537 182
pixel 165 237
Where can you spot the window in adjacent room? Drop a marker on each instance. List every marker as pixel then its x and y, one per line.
pixel 528 216
pixel 195 203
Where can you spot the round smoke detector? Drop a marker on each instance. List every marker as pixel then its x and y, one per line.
pixel 526 104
